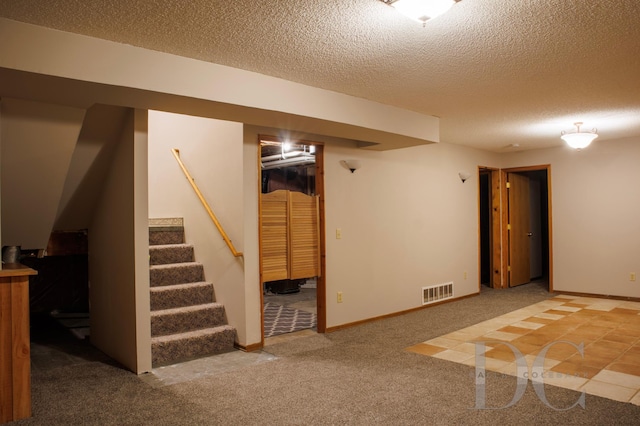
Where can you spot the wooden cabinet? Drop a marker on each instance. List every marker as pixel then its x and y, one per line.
pixel 15 348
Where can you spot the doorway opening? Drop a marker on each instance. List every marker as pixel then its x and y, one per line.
pixel 515 227
pixel 291 236
pixel 484 200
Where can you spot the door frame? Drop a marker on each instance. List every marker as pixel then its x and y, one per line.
pixel 500 220
pixel 495 278
pixel 320 190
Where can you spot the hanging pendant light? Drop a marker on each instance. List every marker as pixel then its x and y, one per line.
pixel 579 140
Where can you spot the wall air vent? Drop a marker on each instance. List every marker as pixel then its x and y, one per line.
pixel 436 293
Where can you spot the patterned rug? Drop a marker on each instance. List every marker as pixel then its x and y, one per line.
pixel 280 319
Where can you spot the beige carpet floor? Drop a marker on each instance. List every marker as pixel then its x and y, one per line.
pixel 357 376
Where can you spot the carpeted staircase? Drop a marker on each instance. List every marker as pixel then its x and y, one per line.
pixel 186 323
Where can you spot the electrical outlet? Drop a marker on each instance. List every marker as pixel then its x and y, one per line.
pixel 632 276
pixel 465 275
pixel 339 297
pixel 338 233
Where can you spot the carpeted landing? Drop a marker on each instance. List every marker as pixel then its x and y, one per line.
pixel 280 319
pixel 608 330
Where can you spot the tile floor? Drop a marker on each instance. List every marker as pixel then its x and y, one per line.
pixel 609 331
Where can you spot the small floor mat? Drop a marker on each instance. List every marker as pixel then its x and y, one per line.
pixel 280 319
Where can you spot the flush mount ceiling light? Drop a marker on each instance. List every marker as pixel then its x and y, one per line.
pixel 579 140
pixel 421 10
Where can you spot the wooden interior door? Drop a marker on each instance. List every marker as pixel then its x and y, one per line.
pixel 519 230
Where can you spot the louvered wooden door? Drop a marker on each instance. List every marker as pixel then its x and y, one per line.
pixel 290 236
pixel 304 241
pixel 274 244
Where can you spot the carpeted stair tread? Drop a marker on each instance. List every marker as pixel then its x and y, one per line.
pixel 161 236
pixel 184 346
pixel 179 295
pixel 175 273
pixel 191 334
pixel 170 253
pixel 187 308
pixel 185 319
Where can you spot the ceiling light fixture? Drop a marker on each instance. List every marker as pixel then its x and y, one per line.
pixel 579 140
pixel 421 10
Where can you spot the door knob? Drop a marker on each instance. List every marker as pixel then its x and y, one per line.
pixel 530 234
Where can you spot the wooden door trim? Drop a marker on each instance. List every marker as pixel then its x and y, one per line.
pixel 495 232
pixel 321 284
pixel 260 282
pixel 496 229
pixel 504 233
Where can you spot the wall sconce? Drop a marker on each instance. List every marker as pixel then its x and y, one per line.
pixel 464 176
pixel 351 165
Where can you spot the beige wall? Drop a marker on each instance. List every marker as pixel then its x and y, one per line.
pixel 252 285
pixel 142 294
pixel 89 165
pixel 595 208
pixel 212 151
pixel 407 221
pixel 119 253
pixel 38 141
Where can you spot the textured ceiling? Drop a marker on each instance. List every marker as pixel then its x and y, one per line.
pixel 498 73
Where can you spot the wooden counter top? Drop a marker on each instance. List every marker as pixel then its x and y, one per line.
pixel 16 270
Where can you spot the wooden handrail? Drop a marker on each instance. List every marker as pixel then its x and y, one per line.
pixel 225 237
